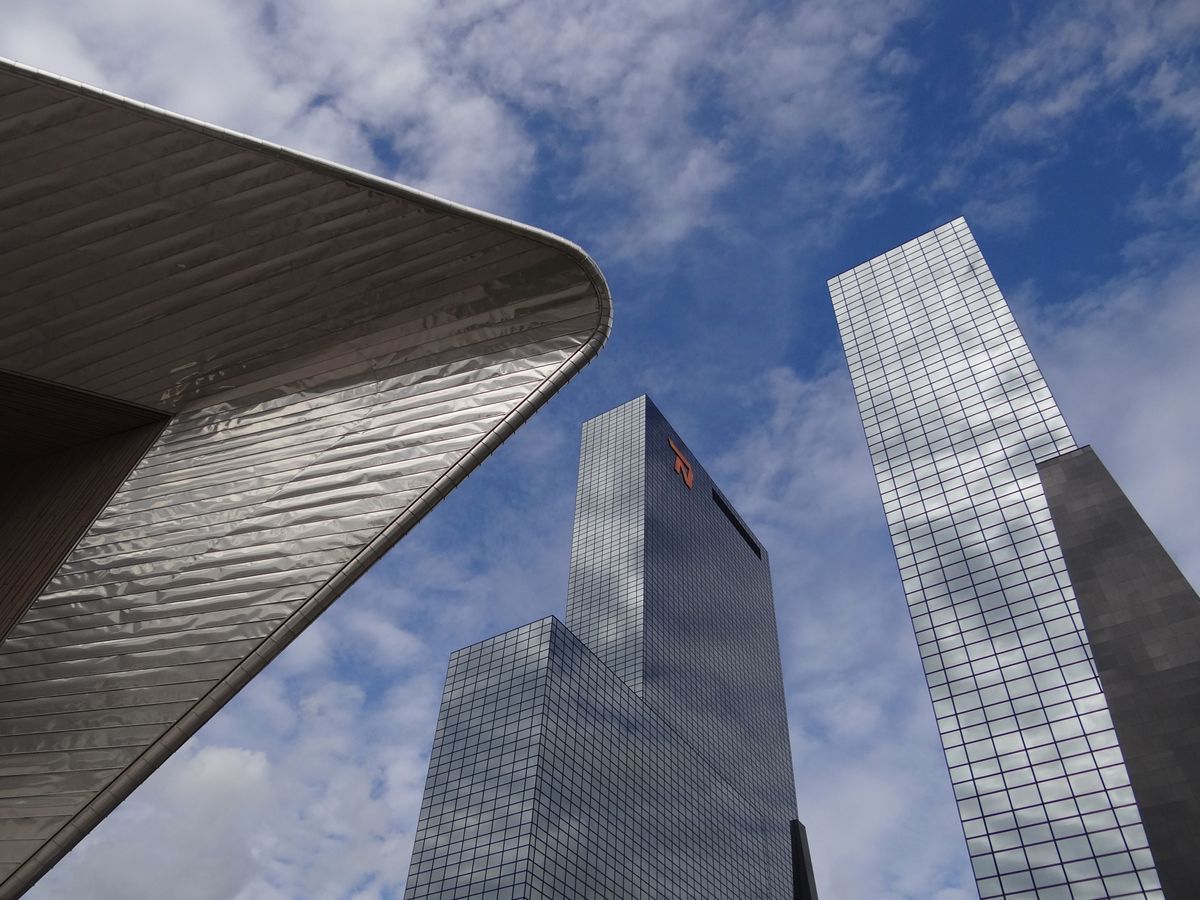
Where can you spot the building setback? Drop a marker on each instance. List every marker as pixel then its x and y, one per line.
pixel 231 377
pixel 641 749
pixel 1060 643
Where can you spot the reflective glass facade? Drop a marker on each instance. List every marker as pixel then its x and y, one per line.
pixel 671 589
pixel 607 581
pixel 642 749
pixel 1143 623
pixel 549 778
pixel 957 417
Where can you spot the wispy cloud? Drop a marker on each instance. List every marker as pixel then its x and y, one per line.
pixel 1057 70
pixel 652 107
pixel 1121 360
pixel 1061 64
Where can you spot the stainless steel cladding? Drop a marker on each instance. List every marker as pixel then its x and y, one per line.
pixel 335 352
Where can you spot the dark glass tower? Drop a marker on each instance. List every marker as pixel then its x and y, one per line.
pixel 641 750
pixel 1060 642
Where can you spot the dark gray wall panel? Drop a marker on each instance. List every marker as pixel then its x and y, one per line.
pixel 63 453
pixel 803 883
pixel 47 505
pixel 39 418
pixel 1143 621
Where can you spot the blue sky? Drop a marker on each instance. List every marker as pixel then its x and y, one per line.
pixel 720 160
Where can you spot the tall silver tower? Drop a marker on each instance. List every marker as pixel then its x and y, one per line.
pixel 641 750
pixel 1051 624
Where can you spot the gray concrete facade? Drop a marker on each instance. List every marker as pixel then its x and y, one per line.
pixel 1143 623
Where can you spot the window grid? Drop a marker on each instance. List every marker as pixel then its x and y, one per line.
pixel 605 591
pixel 956 416
pixel 645 755
pixel 550 778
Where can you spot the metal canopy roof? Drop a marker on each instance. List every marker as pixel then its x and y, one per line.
pixel 335 352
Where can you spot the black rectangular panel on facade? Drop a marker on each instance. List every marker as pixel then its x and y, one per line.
pixel 1143 622
pixel 803 883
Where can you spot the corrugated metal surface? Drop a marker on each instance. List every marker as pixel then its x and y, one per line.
pixel 338 352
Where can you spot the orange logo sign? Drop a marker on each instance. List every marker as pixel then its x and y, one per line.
pixel 682 466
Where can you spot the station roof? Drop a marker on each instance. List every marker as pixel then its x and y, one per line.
pixel 325 353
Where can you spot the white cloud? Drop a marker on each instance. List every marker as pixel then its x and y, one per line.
pixel 649 105
pixel 1064 68
pixel 1063 60
pixel 210 800
pixel 812 72
pixel 305 787
pixel 1121 360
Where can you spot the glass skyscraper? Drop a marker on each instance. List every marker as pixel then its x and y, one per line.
pixel 1060 643
pixel 640 750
